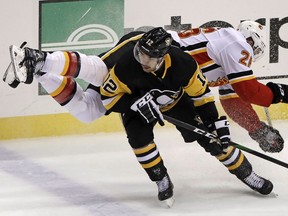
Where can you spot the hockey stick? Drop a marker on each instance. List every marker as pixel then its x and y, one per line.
pixel 15 83
pixel 210 135
pixel 272 77
pixel 268 116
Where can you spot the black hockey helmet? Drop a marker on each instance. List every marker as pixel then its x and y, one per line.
pixel 155 43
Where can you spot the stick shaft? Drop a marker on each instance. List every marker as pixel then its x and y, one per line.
pixel 272 77
pixel 210 135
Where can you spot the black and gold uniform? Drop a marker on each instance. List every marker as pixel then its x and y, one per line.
pixel 190 101
pixel 179 78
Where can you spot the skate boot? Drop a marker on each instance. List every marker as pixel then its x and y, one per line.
pixel 165 190
pixel 259 184
pixel 26 62
pixel 269 138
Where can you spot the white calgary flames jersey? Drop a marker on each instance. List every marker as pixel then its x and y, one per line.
pixel 223 54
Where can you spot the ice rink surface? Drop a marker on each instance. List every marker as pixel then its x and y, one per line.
pixel 91 175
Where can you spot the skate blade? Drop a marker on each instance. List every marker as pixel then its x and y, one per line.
pixel 273 194
pixel 169 202
pixel 10 78
pixel 20 75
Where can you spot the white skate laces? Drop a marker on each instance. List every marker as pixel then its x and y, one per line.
pixel 163 184
pixel 254 180
pixel 165 191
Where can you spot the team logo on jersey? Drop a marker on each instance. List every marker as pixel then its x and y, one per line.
pixel 165 97
pixel 219 82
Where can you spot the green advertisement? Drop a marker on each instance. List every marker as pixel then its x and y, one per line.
pixel 90 27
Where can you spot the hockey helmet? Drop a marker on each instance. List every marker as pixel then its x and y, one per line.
pixel 254 31
pixel 151 48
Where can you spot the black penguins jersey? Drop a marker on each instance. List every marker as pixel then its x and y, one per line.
pixel 179 74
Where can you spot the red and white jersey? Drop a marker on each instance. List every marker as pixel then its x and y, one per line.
pixel 223 54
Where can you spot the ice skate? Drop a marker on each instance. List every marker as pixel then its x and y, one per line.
pixel 165 191
pixel 9 75
pixel 259 184
pixel 26 62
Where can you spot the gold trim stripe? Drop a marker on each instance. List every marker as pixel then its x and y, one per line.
pixel 239 162
pixel 66 65
pixel 151 164
pixel 60 88
pixel 144 149
pixel 223 156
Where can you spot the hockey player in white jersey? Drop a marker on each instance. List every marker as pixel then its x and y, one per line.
pixel 225 57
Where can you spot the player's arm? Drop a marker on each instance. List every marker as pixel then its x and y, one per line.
pixel 254 92
pixel 264 95
pixel 197 88
pixel 116 96
pixel 199 91
pixel 238 58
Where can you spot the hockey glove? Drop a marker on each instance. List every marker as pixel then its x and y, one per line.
pixel 223 132
pixel 269 138
pixel 148 109
pixel 221 129
pixel 280 92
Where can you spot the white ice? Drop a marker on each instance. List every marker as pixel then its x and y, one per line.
pixel 91 175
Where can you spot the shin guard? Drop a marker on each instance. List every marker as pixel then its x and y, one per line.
pixel 150 159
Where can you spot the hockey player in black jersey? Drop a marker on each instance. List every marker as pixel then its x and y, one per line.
pixel 155 77
pixel 147 77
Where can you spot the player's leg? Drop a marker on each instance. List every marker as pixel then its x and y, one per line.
pixel 141 138
pixel 26 62
pixel 238 165
pixel 234 159
pixel 86 105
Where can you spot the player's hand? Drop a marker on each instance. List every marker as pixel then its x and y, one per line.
pixel 223 132
pixel 221 129
pixel 280 92
pixel 148 109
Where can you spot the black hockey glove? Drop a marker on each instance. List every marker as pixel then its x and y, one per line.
pixel 221 129
pixel 148 109
pixel 280 92
pixel 223 132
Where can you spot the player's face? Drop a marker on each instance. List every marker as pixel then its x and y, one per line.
pixel 258 52
pixel 148 63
